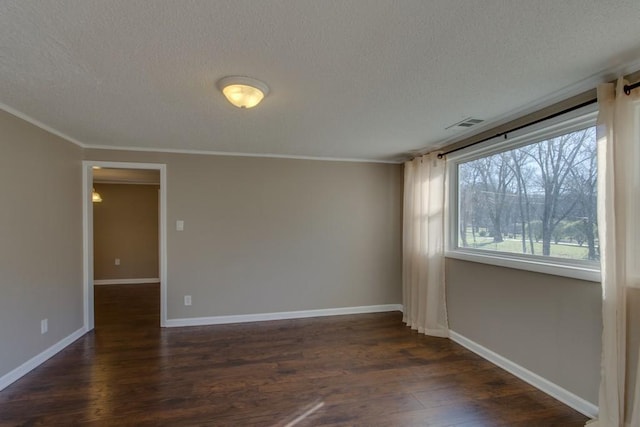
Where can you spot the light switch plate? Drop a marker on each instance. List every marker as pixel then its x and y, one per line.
pixel 180 225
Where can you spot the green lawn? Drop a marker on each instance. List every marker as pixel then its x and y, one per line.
pixel 560 250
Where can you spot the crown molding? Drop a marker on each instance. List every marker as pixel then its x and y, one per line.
pixel 575 89
pixel 37 123
pixel 68 138
pixel 236 154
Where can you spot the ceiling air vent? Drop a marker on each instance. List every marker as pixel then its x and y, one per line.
pixel 465 123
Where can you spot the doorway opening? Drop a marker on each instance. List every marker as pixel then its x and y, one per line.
pixel 124 216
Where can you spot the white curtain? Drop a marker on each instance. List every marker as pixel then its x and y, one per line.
pixel 619 234
pixel 423 246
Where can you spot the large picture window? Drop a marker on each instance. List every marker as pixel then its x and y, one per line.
pixel 531 199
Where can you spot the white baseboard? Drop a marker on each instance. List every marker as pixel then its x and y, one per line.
pixel 554 390
pixel 126 281
pixel 243 318
pixel 39 359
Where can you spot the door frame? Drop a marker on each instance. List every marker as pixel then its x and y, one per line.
pixel 87 234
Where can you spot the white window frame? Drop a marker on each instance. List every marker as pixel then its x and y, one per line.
pixel 566 123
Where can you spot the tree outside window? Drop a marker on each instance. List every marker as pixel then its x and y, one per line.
pixel 539 199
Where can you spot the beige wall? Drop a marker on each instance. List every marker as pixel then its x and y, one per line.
pixel 550 325
pixel 269 235
pixel 264 235
pixel 40 240
pixel 125 226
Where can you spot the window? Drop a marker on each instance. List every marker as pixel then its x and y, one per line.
pixel 529 201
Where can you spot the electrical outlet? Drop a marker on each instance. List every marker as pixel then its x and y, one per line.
pixel 187 300
pixel 44 326
pixel 117 261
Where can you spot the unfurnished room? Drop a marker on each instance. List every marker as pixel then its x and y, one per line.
pixel 320 213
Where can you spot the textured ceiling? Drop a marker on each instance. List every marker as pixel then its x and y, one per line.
pixel 363 79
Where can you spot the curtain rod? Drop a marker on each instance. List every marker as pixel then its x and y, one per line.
pixel 628 88
pixel 499 134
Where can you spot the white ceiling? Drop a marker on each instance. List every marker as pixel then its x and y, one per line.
pixel 362 79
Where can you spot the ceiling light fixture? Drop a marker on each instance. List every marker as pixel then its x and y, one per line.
pixel 243 92
pixel 95 196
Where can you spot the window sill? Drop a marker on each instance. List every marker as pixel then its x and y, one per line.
pixel 582 272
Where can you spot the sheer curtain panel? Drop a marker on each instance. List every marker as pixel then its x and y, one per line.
pixel 618 230
pixel 423 246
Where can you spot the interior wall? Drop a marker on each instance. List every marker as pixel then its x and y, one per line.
pixel 547 324
pixel 578 366
pixel 125 226
pixel 265 235
pixel 40 240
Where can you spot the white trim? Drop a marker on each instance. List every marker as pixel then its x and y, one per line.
pixel 66 137
pixel 87 215
pixel 237 154
pixel 19 372
pixel 87 246
pixel 577 269
pixel 162 231
pixel 576 402
pixel 123 165
pixel 41 125
pixel 538 265
pixel 260 317
pixel 126 281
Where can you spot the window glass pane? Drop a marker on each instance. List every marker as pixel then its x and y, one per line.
pixel 539 199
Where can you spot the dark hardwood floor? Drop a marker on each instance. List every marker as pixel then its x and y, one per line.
pixel 364 370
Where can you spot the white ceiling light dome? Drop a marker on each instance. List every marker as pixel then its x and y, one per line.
pixel 243 92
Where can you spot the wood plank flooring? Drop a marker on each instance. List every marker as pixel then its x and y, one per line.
pixel 359 370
